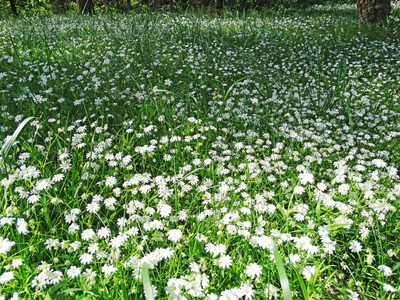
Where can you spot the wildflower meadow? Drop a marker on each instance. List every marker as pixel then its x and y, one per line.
pixel 189 156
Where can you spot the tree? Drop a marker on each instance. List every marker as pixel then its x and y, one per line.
pixel 13 8
pixel 373 11
pixel 85 7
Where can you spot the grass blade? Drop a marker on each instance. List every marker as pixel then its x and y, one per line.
pixel 148 291
pixel 302 284
pixel 287 295
pixel 6 147
pixel 232 86
pixel 318 209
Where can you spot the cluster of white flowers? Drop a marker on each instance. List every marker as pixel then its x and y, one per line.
pixel 47 276
pixel 5 245
pixel 135 176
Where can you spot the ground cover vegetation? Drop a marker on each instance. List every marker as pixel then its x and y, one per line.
pixel 193 145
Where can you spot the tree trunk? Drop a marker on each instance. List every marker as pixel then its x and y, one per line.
pixel 85 7
pixel 13 8
pixel 373 11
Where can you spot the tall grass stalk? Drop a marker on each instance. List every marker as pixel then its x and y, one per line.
pixel 287 295
pixel 4 155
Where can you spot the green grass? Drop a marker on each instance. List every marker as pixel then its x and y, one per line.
pixel 173 152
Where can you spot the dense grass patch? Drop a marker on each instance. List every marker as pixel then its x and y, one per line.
pixel 193 144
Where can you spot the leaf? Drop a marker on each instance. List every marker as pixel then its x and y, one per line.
pixel 50 293
pixel 84 297
pixel 231 87
pixel 302 285
pixel 56 287
pixel 192 172
pixel 47 297
pixel 396 266
pixel 148 291
pixel 67 291
pixel 327 280
pixel 333 227
pixel 314 277
pixel 282 274
pixel 318 209
pixel 304 230
pixel 180 97
pixel 6 147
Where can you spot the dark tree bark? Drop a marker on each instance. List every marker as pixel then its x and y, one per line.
pixel 85 7
pixel 13 8
pixel 373 11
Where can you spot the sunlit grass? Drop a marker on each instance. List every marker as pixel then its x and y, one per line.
pixel 236 157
